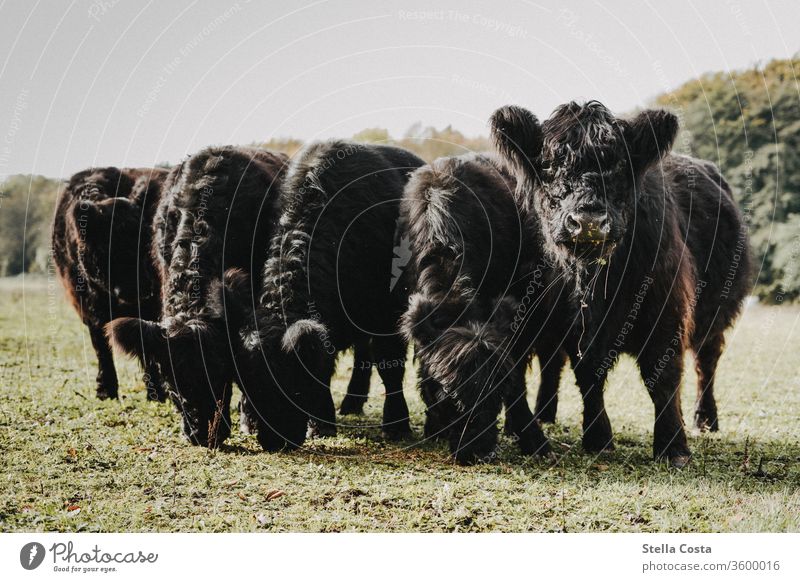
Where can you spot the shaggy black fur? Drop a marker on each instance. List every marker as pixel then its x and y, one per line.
pixel 219 211
pixel 652 246
pixel 475 260
pixel 101 239
pixel 328 285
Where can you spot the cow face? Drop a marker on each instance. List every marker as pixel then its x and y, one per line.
pixel 282 370
pixel 580 171
pixel 196 363
pixel 466 350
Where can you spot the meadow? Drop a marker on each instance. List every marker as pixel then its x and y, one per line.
pixel 69 462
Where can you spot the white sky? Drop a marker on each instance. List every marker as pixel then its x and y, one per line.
pixel 123 82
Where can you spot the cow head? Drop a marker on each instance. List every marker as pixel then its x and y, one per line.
pixel 196 359
pixel 466 349
pixel 281 369
pixel 109 229
pixel 581 170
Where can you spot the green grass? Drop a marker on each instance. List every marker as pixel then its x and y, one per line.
pixel 71 463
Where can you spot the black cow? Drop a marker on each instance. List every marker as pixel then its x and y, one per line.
pixel 219 210
pixel 101 241
pixel 479 280
pixel 327 285
pixel 651 244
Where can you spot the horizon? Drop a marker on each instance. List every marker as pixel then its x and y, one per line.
pixel 105 82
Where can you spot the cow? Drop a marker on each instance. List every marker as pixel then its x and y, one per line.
pixel 327 285
pixel 475 259
pixel 218 212
pixel 101 240
pixel 653 248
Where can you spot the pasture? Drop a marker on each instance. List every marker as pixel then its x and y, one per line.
pixel 69 462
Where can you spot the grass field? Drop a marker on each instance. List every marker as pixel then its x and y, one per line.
pixel 71 463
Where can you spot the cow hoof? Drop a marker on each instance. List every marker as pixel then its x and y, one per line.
pixel 435 430
pixel 705 421
pixel 467 456
pixel 247 426
pixel 546 415
pixel 598 444
pixel 472 447
pixel 154 395
pixel 677 454
pixel 320 429
pixel 275 444
pixel 351 406
pixel 533 442
pixel 105 394
pixel 679 462
pixel 597 437
pixel 397 432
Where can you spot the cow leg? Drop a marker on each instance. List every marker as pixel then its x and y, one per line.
pixel 322 411
pixel 597 435
pixel 551 363
pixel 358 388
pixel 520 422
pixel 661 370
pixel 153 381
pixel 706 359
pixel 248 419
pixel 440 413
pixel 390 359
pixel 107 383
pixel 473 438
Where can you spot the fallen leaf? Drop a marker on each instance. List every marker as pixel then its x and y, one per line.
pixel 241 496
pixel 275 494
pixel 601 467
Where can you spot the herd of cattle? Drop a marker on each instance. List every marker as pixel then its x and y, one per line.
pixel 581 238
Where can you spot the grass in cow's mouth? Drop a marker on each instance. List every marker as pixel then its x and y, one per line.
pixel 70 462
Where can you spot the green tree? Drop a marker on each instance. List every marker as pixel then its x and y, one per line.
pixel 748 122
pixel 26 210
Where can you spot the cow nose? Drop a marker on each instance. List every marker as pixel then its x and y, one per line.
pixel 587 226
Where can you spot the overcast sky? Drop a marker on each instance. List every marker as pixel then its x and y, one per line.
pixel 123 82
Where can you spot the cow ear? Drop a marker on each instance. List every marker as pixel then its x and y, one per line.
pixel 649 137
pixel 134 336
pixel 232 299
pixel 95 213
pixel 517 135
pixel 237 284
pixel 419 323
pixel 144 189
pixel 304 335
pixel 94 221
pixel 88 213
